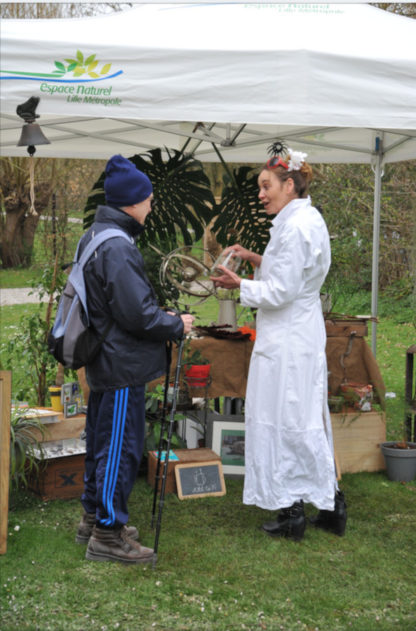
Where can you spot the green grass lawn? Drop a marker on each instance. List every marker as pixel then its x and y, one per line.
pixel 216 570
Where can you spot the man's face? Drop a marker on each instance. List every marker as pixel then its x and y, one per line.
pixel 140 211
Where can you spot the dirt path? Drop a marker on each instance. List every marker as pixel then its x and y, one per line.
pixel 19 296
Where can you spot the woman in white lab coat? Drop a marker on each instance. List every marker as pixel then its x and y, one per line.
pixel 289 455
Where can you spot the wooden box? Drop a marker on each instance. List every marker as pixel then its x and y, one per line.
pixel 184 456
pixel 60 476
pixel 357 439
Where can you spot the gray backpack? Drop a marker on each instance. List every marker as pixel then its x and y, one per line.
pixel 72 341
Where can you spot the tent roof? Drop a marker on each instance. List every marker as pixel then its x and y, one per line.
pixel 327 78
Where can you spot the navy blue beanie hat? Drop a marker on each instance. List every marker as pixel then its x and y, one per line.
pixel 124 184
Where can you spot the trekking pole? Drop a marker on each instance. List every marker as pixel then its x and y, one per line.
pixel 170 432
pixel 162 428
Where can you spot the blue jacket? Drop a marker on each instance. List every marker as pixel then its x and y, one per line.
pixel 120 296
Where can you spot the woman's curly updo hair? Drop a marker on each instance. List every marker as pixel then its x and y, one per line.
pixel 292 165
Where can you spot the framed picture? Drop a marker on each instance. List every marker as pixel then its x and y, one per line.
pixel 66 393
pixel 70 409
pixel 228 441
pixel 212 418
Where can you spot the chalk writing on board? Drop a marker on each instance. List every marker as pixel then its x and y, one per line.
pixel 199 479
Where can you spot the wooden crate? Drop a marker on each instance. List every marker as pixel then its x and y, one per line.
pixel 357 439
pixel 59 478
pixel 184 456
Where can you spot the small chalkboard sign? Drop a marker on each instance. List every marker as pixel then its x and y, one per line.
pixel 199 479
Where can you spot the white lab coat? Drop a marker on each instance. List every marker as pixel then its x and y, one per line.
pixel 288 441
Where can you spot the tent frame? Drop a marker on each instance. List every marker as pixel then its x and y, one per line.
pixel 226 135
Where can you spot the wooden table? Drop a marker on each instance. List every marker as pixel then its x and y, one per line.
pixel 357 436
pixel 230 360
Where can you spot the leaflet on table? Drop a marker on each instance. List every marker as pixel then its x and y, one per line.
pixel 172 455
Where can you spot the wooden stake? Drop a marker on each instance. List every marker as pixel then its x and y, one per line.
pixel 5 407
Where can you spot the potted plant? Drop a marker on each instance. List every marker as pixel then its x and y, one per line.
pixel 196 368
pixel 153 411
pixel 25 447
pixel 400 459
pixel 400 456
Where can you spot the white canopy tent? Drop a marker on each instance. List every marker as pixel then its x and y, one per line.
pixel 338 81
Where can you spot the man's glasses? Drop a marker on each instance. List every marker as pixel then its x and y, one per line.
pixel 275 162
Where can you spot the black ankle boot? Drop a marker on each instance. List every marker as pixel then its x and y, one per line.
pixel 290 523
pixel 334 521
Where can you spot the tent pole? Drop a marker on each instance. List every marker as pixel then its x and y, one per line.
pixel 376 240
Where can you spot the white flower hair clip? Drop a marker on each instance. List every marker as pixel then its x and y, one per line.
pixel 297 158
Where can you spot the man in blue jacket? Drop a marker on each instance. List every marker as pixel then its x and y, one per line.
pixel 123 308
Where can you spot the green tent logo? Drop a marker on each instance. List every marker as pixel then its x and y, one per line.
pixel 80 66
pixel 79 69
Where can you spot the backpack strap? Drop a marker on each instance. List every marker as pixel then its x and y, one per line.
pixel 97 240
pixel 76 277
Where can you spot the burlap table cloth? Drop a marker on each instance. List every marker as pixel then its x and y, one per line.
pixel 230 361
pixel 350 358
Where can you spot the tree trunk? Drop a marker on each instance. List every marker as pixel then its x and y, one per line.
pixel 18 237
pixel 17 225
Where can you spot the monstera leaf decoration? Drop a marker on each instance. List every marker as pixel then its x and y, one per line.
pixel 184 202
pixel 240 215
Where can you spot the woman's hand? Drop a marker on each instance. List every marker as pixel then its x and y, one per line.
pixel 228 280
pixel 244 254
pixel 238 250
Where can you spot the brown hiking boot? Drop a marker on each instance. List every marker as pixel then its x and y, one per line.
pixel 87 523
pixel 113 545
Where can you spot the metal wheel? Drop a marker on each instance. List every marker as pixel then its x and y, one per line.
pixel 187 273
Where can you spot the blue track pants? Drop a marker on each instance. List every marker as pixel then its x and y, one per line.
pixel 115 430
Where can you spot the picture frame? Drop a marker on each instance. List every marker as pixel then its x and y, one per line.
pixel 212 418
pixel 70 409
pixel 228 440
pixel 66 393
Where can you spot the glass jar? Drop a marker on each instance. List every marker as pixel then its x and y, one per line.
pixel 228 261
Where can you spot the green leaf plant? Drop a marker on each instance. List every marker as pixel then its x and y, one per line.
pixel 193 357
pixel 25 446
pixel 153 415
pixel 183 204
pixel 30 340
pixel 240 215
